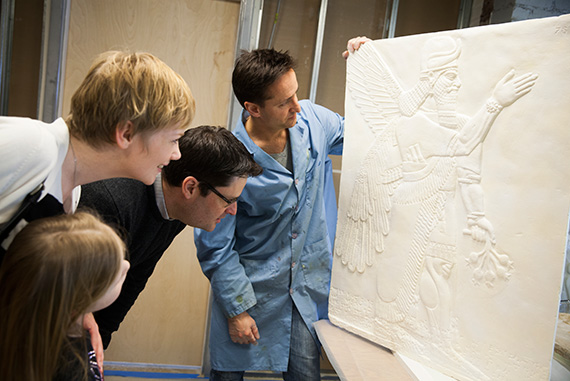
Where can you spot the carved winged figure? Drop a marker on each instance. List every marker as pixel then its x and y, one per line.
pixel 424 153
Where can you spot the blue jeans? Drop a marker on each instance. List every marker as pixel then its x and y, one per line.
pixel 304 359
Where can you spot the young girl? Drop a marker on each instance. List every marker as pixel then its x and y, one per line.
pixel 56 270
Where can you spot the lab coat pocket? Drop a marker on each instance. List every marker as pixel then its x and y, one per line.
pixel 316 266
pixel 264 277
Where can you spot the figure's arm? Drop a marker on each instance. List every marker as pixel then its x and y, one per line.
pixel 479 227
pixel 508 90
pixel 230 284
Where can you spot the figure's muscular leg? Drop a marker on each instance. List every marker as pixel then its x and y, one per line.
pixel 435 292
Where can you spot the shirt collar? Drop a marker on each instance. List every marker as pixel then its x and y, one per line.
pixel 159 196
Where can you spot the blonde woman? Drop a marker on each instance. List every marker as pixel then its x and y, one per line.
pixel 125 121
pixel 57 270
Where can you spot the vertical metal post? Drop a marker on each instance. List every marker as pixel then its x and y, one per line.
pixel 7 29
pixel 464 14
pixel 318 50
pixel 393 19
pixel 249 28
pixel 54 51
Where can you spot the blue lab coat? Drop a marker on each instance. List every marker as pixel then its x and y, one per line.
pixel 275 251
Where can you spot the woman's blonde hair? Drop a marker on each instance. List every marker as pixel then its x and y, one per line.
pixel 53 271
pixel 122 87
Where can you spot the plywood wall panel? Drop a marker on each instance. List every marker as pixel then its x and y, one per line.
pixel 197 39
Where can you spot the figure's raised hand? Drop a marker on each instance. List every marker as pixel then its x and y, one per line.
pixel 353 44
pixel 510 89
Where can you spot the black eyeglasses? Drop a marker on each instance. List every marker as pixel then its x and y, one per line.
pixel 227 200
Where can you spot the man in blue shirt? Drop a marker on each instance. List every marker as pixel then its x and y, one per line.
pixel 269 265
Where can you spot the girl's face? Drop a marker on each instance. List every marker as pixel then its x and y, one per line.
pixel 113 291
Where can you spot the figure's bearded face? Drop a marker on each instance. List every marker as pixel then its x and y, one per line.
pixel 445 92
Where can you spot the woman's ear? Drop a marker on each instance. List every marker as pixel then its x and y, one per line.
pixel 124 133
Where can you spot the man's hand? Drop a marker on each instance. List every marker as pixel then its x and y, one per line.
pixel 91 326
pixel 243 329
pixel 353 44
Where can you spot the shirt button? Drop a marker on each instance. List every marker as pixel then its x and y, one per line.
pixel 296 181
pixel 290 291
pixel 293 265
pixel 294 235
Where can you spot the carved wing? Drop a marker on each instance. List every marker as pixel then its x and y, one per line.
pixel 375 93
pixel 373 88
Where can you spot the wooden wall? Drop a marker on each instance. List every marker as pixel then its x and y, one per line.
pixel 197 39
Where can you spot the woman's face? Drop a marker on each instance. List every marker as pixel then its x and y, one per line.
pixel 151 152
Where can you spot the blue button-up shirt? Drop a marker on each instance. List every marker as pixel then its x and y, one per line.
pixel 275 251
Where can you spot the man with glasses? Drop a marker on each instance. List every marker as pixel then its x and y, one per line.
pixel 198 190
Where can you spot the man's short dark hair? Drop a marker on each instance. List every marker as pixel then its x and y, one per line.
pixel 212 155
pixel 255 71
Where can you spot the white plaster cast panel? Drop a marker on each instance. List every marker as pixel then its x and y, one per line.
pixel 454 197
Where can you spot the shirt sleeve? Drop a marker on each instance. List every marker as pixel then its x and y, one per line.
pixel 28 153
pixel 333 126
pixel 220 263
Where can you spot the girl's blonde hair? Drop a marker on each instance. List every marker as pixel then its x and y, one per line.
pixel 53 271
pixel 122 87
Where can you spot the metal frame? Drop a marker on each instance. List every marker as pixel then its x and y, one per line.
pixel 318 50
pixel 54 51
pixel 249 28
pixel 464 16
pixel 393 9
pixel 7 29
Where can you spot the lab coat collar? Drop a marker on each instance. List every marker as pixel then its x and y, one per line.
pixel 260 156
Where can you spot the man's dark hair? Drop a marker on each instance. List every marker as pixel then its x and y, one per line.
pixel 255 71
pixel 212 155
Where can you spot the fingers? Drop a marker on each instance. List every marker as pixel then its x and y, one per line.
pixel 521 82
pixel 241 338
pixel 249 336
pixel 508 76
pixel 525 82
pixel 255 334
pixel 90 325
pixel 353 44
pixel 255 331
